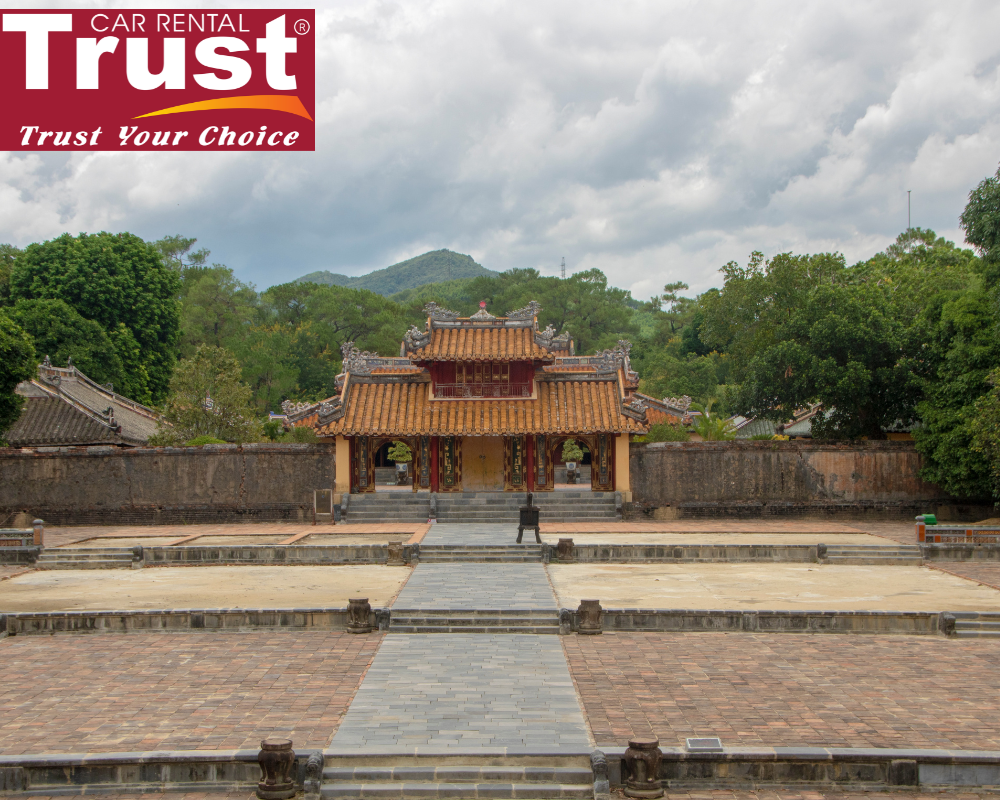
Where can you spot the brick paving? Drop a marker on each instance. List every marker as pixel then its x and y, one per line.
pixel 984 573
pixel 59 536
pixel 181 691
pixel 11 571
pixel 243 794
pixel 790 690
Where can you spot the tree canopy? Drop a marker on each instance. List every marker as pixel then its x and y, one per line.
pixel 120 282
pixel 17 363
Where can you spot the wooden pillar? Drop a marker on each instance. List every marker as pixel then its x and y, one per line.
pixel 342 466
pixel 622 479
pixel 529 461
pixel 434 464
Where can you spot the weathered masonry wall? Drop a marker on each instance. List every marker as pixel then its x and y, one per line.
pixel 214 483
pixel 689 479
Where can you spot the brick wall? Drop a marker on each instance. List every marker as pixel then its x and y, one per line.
pixel 214 483
pixel 687 479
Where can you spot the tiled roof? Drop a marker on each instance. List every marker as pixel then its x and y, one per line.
pixel 403 409
pixel 65 407
pixel 656 415
pixel 493 343
pixel 53 421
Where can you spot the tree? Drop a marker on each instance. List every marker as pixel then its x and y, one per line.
pixel 571 451
pixel 176 253
pixel 208 398
pixel 400 453
pixel 60 333
pixel 216 308
pixel 712 428
pixel 985 425
pixel 115 280
pixel 8 255
pixel 268 368
pixel 17 363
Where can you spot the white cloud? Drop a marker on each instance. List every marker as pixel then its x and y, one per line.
pixel 653 140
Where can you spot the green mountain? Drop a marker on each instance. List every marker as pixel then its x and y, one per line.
pixel 434 267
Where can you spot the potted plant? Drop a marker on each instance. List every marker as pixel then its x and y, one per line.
pixel 402 455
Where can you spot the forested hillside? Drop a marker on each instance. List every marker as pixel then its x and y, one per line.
pixel 434 267
pixel 908 338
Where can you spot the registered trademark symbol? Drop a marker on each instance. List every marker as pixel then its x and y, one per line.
pixel 302 27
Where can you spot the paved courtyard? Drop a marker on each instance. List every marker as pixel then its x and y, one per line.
pixel 201 587
pixel 183 691
pixel 769 586
pixel 790 690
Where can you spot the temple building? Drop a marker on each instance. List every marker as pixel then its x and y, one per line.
pixel 485 404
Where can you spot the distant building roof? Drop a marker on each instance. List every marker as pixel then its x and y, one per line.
pixel 65 407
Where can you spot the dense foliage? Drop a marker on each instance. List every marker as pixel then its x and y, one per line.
pixel 17 363
pixel 208 399
pixel 121 283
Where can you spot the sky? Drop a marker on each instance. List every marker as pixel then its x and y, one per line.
pixel 654 141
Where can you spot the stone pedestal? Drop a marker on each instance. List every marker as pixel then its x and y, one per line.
pixel 276 758
pixel 564 550
pixel 358 613
pixel 641 768
pixel 396 554
pixel 590 617
pixel 39 533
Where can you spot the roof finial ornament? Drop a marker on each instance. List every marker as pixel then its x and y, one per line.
pixel 482 315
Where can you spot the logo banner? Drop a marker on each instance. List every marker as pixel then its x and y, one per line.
pixel 166 79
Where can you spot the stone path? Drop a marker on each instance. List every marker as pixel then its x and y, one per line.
pixel 471 586
pixel 470 533
pixel 694 794
pixel 790 689
pixel 180 691
pixel 465 691
pixel 984 573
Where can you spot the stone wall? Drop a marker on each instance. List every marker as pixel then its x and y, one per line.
pixel 214 483
pixel 690 479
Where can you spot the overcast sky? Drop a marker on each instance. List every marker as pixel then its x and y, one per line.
pixel 652 140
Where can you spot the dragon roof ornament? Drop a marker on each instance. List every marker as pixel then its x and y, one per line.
pixel 682 403
pixel 530 311
pixel 436 312
pixel 482 315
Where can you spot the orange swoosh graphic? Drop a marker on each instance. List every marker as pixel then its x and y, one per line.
pixel 272 102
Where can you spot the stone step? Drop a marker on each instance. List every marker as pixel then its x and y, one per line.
pixel 458 773
pixel 961 633
pixel 977 625
pixel 402 791
pixel 884 561
pixel 538 630
pixel 479 559
pixel 83 565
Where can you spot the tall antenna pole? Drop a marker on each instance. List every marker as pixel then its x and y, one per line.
pixel 908 226
pixel 562 267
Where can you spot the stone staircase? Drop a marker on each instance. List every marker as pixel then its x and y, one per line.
pixel 543 621
pixel 458 776
pixel 85 558
pixel 513 553
pixel 883 555
pixel 388 507
pixel 502 507
pixel 976 625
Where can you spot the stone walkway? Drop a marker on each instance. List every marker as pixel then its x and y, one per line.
pixel 470 533
pixel 465 691
pixel 471 586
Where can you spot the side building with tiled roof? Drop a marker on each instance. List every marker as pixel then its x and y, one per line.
pixel 65 408
pixel 485 403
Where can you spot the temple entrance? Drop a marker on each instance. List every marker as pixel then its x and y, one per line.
pixel 482 464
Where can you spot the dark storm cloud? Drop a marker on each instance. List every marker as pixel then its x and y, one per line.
pixel 655 141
